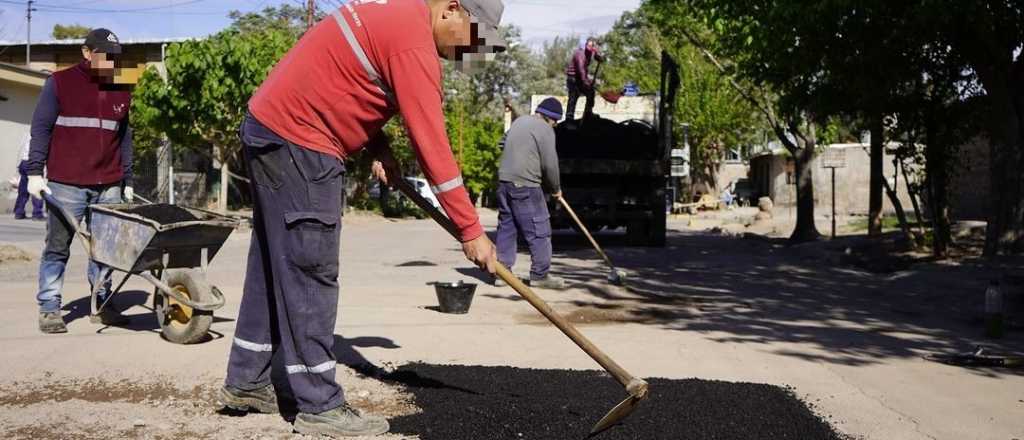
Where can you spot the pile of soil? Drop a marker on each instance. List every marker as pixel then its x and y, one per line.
pixel 163 213
pixel 475 403
pixel 13 254
pixel 599 138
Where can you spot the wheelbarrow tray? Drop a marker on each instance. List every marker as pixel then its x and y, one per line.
pixel 132 243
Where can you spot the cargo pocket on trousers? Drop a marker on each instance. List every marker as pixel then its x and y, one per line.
pixel 542 225
pixel 313 239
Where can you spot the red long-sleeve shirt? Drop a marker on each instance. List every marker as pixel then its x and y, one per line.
pixel 321 97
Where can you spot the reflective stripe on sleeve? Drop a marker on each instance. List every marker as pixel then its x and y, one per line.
pixel 447 186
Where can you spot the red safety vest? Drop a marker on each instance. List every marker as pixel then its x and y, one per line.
pixel 86 145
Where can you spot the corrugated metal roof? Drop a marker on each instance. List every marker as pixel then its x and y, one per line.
pixel 80 41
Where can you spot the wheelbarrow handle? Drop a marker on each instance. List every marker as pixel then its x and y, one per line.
pixel 69 220
pixel 634 386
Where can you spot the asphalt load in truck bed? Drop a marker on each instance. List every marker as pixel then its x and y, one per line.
pixel 474 403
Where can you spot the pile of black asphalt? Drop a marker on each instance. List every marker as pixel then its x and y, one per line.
pixel 162 213
pixel 475 403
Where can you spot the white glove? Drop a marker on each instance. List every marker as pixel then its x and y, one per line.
pixel 37 186
pixel 129 194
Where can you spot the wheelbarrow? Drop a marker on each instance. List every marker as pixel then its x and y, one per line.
pixel 169 246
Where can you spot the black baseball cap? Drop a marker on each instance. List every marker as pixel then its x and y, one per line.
pixel 102 40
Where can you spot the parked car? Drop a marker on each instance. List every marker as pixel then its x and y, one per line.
pixel 423 188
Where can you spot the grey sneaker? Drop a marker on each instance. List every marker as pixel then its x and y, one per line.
pixel 343 421
pixel 109 316
pixel 548 282
pixel 52 322
pixel 263 400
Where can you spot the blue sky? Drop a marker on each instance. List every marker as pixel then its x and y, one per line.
pixel 540 20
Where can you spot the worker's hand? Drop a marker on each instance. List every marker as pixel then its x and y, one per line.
pixel 129 194
pixel 385 166
pixel 557 195
pixel 482 253
pixel 37 186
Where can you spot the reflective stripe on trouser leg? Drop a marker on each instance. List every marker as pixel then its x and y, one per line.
pixel 249 369
pixel 301 265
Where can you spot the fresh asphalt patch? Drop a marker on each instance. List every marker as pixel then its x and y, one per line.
pixel 473 403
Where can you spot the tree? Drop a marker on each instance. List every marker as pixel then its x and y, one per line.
pixel 751 48
pixel 69 31
pixel 209 82
pixel 284 17
pixel 718 116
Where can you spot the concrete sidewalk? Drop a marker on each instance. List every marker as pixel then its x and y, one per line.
pixel 710 307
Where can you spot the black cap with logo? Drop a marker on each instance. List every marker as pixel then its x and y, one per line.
pixel 102 40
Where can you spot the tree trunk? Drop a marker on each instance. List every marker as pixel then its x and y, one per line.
pixel 894 198
pixel 937 172
pixel 877 176
pixel 805 230
pixel 914 200
pixel 1005 233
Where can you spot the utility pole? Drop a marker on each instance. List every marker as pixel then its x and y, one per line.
pixel 28 33
pixel 310 7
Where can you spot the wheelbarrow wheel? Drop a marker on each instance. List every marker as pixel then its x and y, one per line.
pixel 180 323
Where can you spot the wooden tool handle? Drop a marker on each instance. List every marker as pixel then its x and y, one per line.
pixel 583 228
pixel 627 380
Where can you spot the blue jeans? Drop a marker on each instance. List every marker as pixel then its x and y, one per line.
pixel 524 210
pixel 23 197
pixel 75 200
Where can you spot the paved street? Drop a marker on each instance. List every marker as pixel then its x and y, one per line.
pixel 849 343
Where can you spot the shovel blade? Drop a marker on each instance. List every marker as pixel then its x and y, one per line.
pixel 616 415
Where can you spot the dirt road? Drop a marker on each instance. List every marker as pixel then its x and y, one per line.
pixel 708 306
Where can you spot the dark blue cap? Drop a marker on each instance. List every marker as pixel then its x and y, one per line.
pixel 551 108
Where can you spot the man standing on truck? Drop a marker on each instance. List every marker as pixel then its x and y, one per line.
pixel 80 135
pixel 578 80
pixel 327 99
pixel 529 163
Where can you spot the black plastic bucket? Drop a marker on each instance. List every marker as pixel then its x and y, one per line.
pixel 454 298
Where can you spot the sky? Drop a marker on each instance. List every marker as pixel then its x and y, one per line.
pixel 540 20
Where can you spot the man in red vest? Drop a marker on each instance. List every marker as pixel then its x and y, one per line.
pixel 80 135
pixel 328 99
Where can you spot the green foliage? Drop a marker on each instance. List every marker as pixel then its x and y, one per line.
pixel 69 31
pixel 209 82
pixel 284 17
pixel 718 116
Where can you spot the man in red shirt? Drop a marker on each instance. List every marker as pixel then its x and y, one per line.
pixel 578 80
pixel 326 99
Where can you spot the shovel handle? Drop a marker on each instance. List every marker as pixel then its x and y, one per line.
pixel 586 232
pixel 633 386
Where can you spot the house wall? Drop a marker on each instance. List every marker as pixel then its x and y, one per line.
pixel 15 121
pixel 771 177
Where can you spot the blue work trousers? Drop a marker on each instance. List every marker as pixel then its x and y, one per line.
pixel 290 298
pixel 524 210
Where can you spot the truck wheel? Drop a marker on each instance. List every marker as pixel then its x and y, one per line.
pixel 636 232
pixel 180 323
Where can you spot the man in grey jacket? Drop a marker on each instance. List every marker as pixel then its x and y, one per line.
pixel 528 164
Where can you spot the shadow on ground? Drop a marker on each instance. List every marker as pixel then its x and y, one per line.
pixel 760 291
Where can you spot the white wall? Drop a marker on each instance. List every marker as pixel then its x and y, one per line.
pixel 15 119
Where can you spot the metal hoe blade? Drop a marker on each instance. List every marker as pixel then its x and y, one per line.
pixel 638 393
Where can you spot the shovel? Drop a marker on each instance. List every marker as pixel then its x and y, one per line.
pixel 637 388
pixel 615 276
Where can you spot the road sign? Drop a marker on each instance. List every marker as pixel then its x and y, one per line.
pixel 834 158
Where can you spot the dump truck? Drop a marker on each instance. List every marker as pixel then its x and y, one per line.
pixel 615 165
